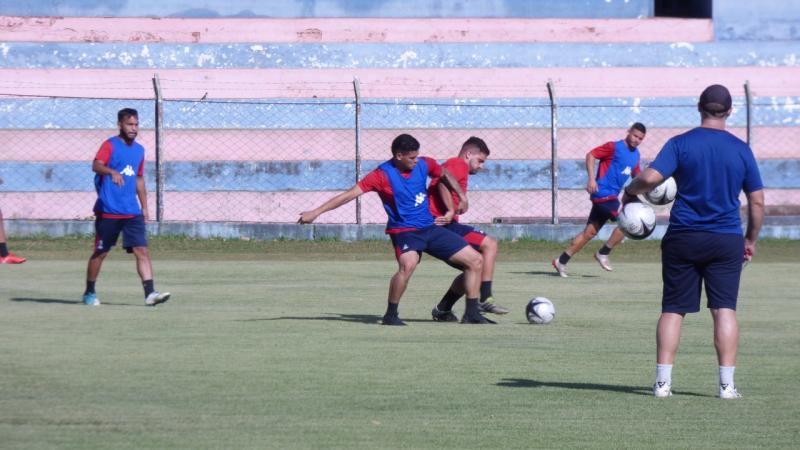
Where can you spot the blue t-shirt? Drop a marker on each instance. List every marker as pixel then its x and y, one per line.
pixel 711 168
pixel 120 200
pixel 411 208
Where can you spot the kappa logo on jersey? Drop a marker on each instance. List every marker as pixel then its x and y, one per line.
pixel 128 171
pixel 419 199
pixel 405 246
pixel 627 171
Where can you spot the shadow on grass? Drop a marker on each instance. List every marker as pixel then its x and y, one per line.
pixel 636 390
pixel 60 301
pixel 370 319
pixel 552 273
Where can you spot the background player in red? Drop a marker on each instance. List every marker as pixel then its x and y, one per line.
pixel 121 207
pixel 445 207
pixel 7 257
pixel 401 183
pixel 619 162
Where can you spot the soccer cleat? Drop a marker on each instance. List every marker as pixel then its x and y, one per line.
pixel 90 299
pixel 604 261
pixel 489 306
pixel 392 320
pixel 476 319
pixel 560 268
pixel 728 391
pixel 156 298
pixel 11 259
pixel 443 316
pixel 662 389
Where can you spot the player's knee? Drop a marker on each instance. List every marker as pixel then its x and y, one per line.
pixel 489 244
pixel 141 252
pixel 474 260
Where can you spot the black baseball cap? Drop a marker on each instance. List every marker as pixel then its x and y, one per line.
pixel 715 99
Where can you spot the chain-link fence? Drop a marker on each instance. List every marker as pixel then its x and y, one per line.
pixel 267 160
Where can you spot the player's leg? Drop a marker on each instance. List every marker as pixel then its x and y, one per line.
pixel 598 216
pixel 472 264
pixel 443 311
pixel 6 257
pixel 602 255
pixel 134 234
pixel 106 235
pixel 406 264
pixel 722 277
pixel 488 249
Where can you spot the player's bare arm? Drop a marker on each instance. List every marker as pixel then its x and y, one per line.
pixel 591 185
pixel 333 203
pixel 444 194
pixel 141 192
pixel 755 217
pixel 452 184
pixel 100 168
pixel 644 182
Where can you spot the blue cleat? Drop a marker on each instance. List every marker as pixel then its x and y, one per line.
pixel 90 299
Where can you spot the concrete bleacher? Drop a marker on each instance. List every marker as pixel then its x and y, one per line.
pixel 492 53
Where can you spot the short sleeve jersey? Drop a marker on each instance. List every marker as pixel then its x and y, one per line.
pixel 119 201
pixel 711 168
pixel 618 164
pixel 460 170
pixel 379 181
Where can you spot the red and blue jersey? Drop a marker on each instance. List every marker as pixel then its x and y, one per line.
pixel 618 164
pixel 119 201
pixel 403 194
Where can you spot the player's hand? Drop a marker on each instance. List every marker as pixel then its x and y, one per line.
pixel 591 186
pixel 445 219
pixel 627 198
pixel 145 214
pixel 307 217
pixel 749 251
pixel 117 178
pixel 463 205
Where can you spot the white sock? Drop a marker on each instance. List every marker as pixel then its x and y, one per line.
pixel 726 375
pixel 664 373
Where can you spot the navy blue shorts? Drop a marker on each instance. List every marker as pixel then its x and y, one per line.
pixel 473 236
pixel 603 212
pixel 134 233
pixel 433 240
pixel 690 259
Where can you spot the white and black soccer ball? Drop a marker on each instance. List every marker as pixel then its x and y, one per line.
pixel 540 311
pixel 637 220
pixel 664 193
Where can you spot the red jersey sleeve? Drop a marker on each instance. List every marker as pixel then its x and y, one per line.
pixel 459 169
pixel 375 181
pixel 636 170
pixel 605 151
pixel 434 169
pixel 104 154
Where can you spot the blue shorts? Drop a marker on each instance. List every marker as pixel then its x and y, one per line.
pixel 433 240
pixel 692 258
pixel 473 236
pixel 603 212
pixel 134 233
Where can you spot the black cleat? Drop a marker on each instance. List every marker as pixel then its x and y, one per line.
pixel 443 316
pixel 392 320
pixel 476 318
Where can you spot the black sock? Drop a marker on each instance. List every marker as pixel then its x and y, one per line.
pixel 450 298
pixel 472 307
pixel 391 309
pixel 3 249
pixel 486 290
pixel 89 287
pixel 148 287
pixel 605 250
pixel 564 258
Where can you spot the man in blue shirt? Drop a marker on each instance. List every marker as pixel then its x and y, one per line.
pixel 704 244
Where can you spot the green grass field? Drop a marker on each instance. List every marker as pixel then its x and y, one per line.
pixel 277 345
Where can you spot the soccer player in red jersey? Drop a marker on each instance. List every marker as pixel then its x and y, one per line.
pixel 619 162
pixel 121 207
pixel 470 160
pixel 401 183
pixel 6 257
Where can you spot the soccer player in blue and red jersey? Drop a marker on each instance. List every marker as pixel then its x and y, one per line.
pixel 704 245
pixel 6 257
pixel 470 160
pixel 619 162
pixel 121 207
pixel 401 183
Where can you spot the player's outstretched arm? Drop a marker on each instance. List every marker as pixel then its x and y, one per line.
pixel 452 184
pixel 755 217
pixel 644 182
pixel 333 203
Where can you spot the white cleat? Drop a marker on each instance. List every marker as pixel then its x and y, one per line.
pixel 604 261
pixel 156 298
pixel 662 389
pixel 560 268
pixel 728 391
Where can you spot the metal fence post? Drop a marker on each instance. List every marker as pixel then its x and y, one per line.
pixel 357 90
pixel 749 108
pixel 551 90
pixel 159 125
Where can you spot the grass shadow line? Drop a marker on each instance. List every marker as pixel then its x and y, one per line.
pixel 635 390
